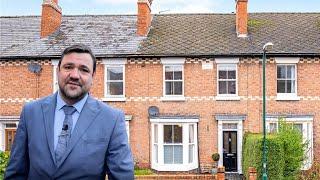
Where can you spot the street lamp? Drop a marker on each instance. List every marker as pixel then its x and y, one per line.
pixel 267 47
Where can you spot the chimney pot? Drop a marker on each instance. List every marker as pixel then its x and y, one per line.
pixel 50 18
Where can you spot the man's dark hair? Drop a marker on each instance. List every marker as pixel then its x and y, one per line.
pixel 79 48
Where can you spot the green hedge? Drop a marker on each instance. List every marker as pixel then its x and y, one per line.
pixel 4 158
pixel 285 152
pixel 252 155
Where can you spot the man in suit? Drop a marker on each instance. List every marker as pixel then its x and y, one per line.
pixel 70 135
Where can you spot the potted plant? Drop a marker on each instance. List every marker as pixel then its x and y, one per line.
pixel 215 157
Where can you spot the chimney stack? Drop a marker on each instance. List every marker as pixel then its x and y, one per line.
pixel 144 17
pixel 241 18
pixel 50 18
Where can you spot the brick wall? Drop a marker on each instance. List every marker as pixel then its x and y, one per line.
pixel 144 88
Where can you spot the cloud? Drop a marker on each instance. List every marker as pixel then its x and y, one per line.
pixel 185 6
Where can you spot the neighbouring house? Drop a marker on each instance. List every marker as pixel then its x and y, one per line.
pixel 189 84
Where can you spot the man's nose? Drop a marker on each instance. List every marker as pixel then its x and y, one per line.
pixel 75 73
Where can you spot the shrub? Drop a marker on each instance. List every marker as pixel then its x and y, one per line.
pixel 252 155
pixel 143 172
pixel 4 159
pixel 285 152
pixel 293 148
pixel 215 156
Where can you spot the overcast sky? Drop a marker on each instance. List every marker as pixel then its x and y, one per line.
pixel 78 7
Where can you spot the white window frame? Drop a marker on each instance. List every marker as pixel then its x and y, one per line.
pixel 111 63
pixel 307 134
pixel 55 85
pixel 185 166
pixel 223 62
pixel 4 120
pixel 172 62
pixel 287 96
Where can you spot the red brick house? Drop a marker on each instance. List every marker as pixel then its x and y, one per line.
pixel 190 84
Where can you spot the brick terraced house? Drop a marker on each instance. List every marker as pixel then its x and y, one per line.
pixel 189 84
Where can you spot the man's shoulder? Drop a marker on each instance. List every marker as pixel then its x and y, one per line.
pixel 105 107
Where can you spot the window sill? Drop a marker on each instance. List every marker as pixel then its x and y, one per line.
pixel 228 98
pixel 114 99
pixel 173 98
pixel 287 97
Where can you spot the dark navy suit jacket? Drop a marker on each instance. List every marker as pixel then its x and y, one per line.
pixel 98 144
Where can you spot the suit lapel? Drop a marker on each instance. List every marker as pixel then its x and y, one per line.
pixel 88 114
pixel 48 108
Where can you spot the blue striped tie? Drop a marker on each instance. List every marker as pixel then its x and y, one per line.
pixel 65 135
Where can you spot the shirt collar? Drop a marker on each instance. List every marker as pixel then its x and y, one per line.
pixel 78 105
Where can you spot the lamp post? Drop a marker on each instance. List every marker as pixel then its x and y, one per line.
pixel 267 47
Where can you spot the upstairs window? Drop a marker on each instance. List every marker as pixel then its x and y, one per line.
pixel 173 80
pixel 286 78
pixel 227 79
pixel 114 79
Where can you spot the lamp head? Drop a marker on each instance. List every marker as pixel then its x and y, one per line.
pixel 268 46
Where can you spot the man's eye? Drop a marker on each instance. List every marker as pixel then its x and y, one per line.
pixel 84 70
pixel 68 67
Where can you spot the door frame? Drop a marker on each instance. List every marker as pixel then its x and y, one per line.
pixel 239 131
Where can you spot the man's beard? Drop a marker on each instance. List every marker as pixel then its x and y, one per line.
pixel 73 96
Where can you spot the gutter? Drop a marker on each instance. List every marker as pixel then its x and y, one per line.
pixel 170 55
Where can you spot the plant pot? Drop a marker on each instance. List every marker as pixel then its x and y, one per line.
pixel 214 170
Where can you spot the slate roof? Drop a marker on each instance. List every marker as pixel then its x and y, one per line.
pixel 107 35
pixel 170 35
pixel 215 34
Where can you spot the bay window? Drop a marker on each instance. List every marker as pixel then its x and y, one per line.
pixel 174 144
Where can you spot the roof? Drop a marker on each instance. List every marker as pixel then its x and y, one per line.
pixel 170 35
pixel 107 35
pixel 215 34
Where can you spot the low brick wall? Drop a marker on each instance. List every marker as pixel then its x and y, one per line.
pixel 172 176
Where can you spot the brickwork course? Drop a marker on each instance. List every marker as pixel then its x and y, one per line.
pixel 199 39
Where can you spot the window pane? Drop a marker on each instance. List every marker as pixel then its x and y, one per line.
pixel 155 153
pixel 281 86
pixel 155 133
pixel 222 87
pixel 177 88
pixel 169 72
pixel 231 87
pixel 291 72
pixel 167 134
pixel 232 74
pixel 234 142
pixel 281 72
pixel 222 74
pixel 273 127
pixel 225 143
pixel 191 133
pixel 178 154
pixel 178 75
pixel 298 127
pixel 169 88
pixel 168 154
pixel 191 147
pixel 289 86
pixel 115 73
pixel 177 134
pixel 115 88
